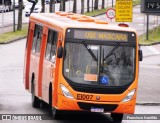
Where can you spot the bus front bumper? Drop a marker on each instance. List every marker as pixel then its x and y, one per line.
pixel 82 105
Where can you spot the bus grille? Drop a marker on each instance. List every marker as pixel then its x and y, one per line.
pixel 101 90
pixel 88 106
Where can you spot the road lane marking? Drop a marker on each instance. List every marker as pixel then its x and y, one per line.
pixel 154 50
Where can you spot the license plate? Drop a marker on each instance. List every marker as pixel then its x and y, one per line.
pixel 97 109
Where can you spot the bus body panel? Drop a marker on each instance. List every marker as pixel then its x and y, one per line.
pixel 67 104
pixel 126 107
pixel 56 74
pixel 27 78
pixel 34 68
pixel 41 65
pixel 42 53
pixel 47 72
pixel 47 78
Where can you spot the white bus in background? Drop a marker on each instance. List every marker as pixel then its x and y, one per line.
pixel 6 5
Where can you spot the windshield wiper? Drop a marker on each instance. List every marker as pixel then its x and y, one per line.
pixel 89 50
pixel 111 52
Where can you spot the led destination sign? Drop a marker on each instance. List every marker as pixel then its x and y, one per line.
pixel 100 35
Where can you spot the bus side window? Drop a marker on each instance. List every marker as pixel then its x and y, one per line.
pixel 37 39
pixel 34 39
pixel 51 45
pixel 28 34
pixel 54 46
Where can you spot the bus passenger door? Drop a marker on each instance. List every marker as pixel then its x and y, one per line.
pixel 35 56
pixel 49 65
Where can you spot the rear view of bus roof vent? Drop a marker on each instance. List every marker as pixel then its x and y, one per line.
pixel 61 13
pixel 101 22
pixel 86 20
pixel 80 18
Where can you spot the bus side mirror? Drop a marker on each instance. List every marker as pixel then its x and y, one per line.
pixel 60 52
pixel 140 53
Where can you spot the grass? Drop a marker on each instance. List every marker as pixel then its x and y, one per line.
pixel 10 36
pixel 136 2
pixel 95 12
pixel 153 37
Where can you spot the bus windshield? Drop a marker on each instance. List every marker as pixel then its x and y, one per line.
pixel 99 64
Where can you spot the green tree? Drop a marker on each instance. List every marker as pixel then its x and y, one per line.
pixel 88 9
pixel 43 5
pixel 20 11
pixel 52 6
pixel 62 5
pixel 103 2
pixel 75 6
pixel 96 4
pixel 82 6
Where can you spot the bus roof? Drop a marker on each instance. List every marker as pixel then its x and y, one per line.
pixel 63 20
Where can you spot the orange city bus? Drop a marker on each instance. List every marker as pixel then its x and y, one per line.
pixel 76 62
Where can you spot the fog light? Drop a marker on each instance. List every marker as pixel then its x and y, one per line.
pixel 66 92
pixel 129 96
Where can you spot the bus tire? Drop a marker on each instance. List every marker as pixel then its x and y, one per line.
pixel 43 104
pixel 35 100
pixel 117 117
pixel 50 95
pixel 55 113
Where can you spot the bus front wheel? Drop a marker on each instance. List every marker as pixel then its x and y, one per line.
pixel 35 100
pixel 117 117
pixel 55 113
pixel 53 110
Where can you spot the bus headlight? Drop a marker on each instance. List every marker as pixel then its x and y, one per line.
pixel 129 96
pixel 66 92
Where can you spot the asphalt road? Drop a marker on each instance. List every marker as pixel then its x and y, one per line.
pixel 14 99
pixel 149 78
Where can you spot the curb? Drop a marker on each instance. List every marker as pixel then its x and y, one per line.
pixel 148 103
pixel 14 40
pixel 98 14
pixel 150 55
pixel 12 25
pixel 150 44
